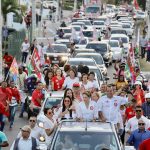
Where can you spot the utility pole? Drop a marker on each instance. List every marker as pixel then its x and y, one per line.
pixel 33 20
pixel 1 60
pixel 75 5
pixel 148 18
pixel 57 11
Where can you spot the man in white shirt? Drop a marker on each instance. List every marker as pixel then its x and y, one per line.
pixel 25 142
pixel 36 132
pixel 143 43
pixel 132 123
pixel 25 47
pixel 109 106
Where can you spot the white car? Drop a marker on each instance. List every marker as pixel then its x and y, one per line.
pixel 82 43
pixel 128 29
pixel 99 25
pixel 88 24
pixel 116 49
pixel 125 41
pixel 97 57
pixel 140 15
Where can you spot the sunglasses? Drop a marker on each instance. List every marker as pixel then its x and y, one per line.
pixel 32 120
pixel 141 124
pixel 138 110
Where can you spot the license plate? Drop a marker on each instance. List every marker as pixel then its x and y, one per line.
pixel 55 61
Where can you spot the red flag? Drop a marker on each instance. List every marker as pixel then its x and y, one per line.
pixel 136 5
pixel 36 63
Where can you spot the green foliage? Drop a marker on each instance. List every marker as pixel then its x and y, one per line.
pixel 10 6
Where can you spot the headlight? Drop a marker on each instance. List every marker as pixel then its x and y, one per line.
pixel 42 139
pixel 64 58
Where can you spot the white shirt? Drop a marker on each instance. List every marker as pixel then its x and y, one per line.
pixel 24 144
pixel 68 83
pixel 25 47
pixel 132 123
pixel 87 86
pixel 89 113
pixel 20 80
pixel 48 124
pixel 36 132
pixel 95 84
pixel 67 116
pixel 111 107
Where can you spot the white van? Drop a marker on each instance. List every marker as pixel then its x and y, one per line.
pixel 13 22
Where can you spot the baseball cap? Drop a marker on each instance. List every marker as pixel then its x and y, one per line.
pixel 76 85
pixel 26 128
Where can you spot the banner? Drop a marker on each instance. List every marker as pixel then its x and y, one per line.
pixel 35 64
pixel 14 70
pixel 135 3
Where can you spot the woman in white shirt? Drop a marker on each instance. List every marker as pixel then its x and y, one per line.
pixel 95 96
pixel 67 111
pixel 70 80
pixel 85 84
pixel 87 109
pixel 50 124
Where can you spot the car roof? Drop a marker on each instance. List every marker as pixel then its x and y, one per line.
pixel 97 54
pixel 55 94
pixel 119 35
pixel 97 42
pixel 62 40
pixel 81 59
pixel 86 126
pixel 85 49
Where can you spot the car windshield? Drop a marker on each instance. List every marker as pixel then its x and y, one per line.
pixel 118 32
pixel 100 47
pixel 92 9
pixel 57 49
pixel 83 140
pixel 52 102
pixel 88 33
pixel 98 23
pixel 67 30
pixel 82 42
pixel 126 26
pixel 97 58
pixel 76 63
pixel 77 28
pixel 123 39
pixel 114 44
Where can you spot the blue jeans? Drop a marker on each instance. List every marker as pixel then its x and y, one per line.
pixel 2 122
pixel 12 110
pixel 24 57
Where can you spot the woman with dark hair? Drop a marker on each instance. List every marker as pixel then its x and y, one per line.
pixel 71 79
pixel 121 82
pixel 69 92
pixel 67 111
pixel 48 79
pixel 87 109
pixel 50 124
pixel 57 80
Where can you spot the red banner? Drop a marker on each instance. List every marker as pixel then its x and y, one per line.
pixel 136 5
pixel 35 62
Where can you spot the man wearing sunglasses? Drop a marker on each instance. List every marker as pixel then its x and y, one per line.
pixel 132 123
pixel 36 132
pixel 26 141
pixel 138 135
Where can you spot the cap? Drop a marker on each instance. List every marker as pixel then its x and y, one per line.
pixel 138 83
pixel 26 128
pixel 76 85
pixel 147 95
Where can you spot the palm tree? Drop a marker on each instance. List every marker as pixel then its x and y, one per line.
pixel 9 6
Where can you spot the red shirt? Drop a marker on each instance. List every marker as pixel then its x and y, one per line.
pixel 8 59
pixel 37 94
pixel 15 93
pixel 140 97
pixel 129 112
pixel 5 94
pixel 145 145
pixel 57 83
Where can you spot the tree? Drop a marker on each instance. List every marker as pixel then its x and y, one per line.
pixel 9 6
